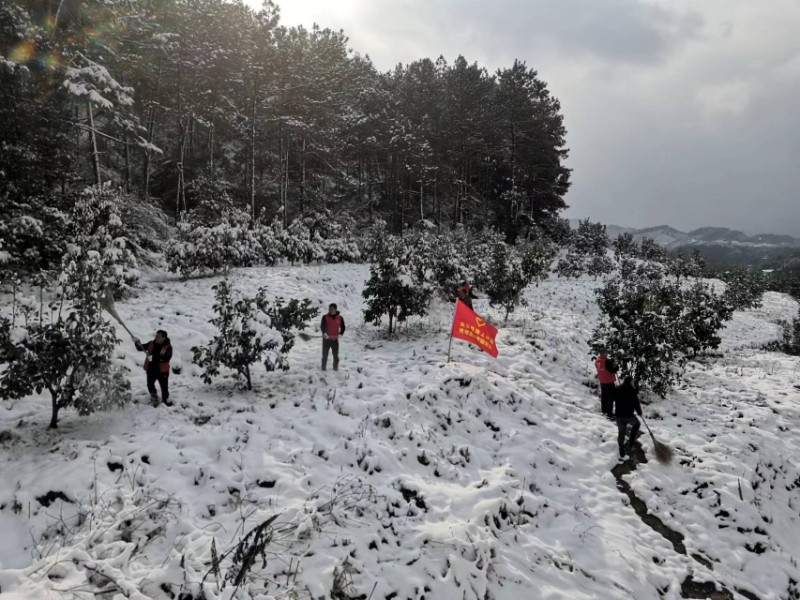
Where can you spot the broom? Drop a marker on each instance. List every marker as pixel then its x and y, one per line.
pixel 663 452
pixel 107 302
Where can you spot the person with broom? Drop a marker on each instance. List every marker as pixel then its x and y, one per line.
pixel 156 365
pixel 626 403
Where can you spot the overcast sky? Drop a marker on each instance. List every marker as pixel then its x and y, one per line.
pixel 679 112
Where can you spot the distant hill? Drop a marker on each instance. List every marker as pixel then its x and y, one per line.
pixel 720 245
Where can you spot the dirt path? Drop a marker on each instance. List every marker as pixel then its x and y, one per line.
pixel 689 588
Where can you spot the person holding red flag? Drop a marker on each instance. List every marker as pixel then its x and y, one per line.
pixel 472 328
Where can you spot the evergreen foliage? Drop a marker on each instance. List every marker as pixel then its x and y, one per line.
pixel 66 350
pixel 251 330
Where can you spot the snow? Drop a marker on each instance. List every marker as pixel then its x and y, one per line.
pixel 479 478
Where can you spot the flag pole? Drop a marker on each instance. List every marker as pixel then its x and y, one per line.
pixel 450 345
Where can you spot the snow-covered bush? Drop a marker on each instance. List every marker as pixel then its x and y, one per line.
pixel 96 235
pixel 300 244
pixel 791 337
pixel 392 290
pixel 684 267
pixel 32 235
pixel 510 272
pixel 625 246
pixel 745 288
pixel 67 356
pixel 653 327
pixel 201 249
pixel 211 204
pixel 587 252
pixel 650 250
pixel 338 250
pixel 251 330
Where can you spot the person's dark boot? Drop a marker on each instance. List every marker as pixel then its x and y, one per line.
pixel 168 402
pixel 154 399
pixel 622 452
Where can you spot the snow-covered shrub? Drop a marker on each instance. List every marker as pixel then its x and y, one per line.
pixel 211 204
pixel 587 252
pixel 650 250
pixel 684 267
pixel 32 235
pixel 653 327
pixel 625 246
pixel 68 356
pixel 392 289
pixel 745 288
pixel 510 272
pixel 218 248
pixel 96 235
pixel 791 337
pixel 338 250
pixel 557 230
pixel 300 244
pixel 371 245
pixel 251 330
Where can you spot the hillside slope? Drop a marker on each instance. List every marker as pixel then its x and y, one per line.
pixel 401 476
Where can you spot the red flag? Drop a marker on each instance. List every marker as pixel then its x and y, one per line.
pixel 472 328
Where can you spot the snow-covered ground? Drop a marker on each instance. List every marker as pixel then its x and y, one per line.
pixel 403 477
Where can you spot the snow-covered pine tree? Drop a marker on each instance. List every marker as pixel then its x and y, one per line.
pixel 251 330
pixel 69 356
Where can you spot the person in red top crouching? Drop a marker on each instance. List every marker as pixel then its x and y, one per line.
pixel 332 327
pixel 606 374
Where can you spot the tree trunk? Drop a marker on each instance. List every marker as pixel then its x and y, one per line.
pixel 127 165
pixel 303 176
pixel 247 377
pixel 421 202
pixel 151 126
pixel 179 194
pixel 54 416
pixel 93 136
pixel 253 155
pixel 211 149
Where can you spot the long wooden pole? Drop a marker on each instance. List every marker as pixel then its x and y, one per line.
pixel 450 345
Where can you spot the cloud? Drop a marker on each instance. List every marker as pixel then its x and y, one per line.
pixel 677 111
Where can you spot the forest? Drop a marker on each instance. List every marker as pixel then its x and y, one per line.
pixel 168 101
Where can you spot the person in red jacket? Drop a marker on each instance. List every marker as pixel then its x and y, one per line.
pixel 332 327
pixel 606 374
pixel 156 365
pixel 464 293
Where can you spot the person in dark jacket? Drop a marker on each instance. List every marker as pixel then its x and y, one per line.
pixel 464 293
pixel 627 403
pixel 606 374
pixel 156 365
pixel 332 327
